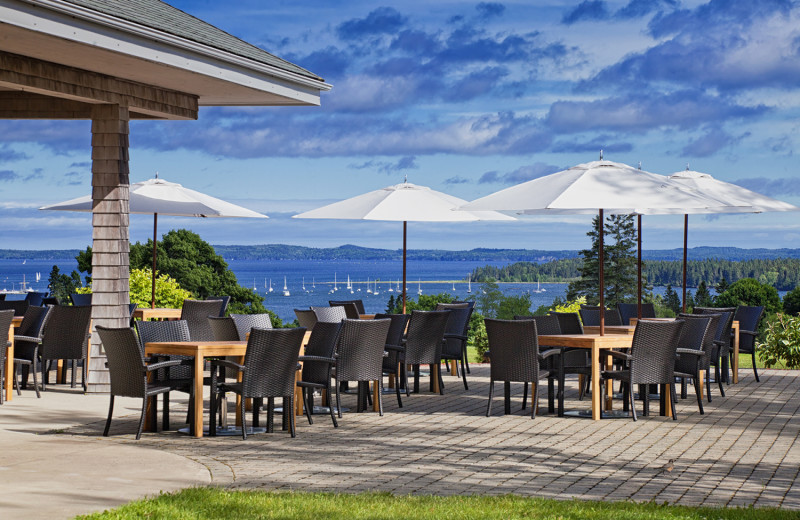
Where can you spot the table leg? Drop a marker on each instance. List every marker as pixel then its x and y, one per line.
pixel 667 390
pixel 197 424
pixel 702 382
pixel 376 394
pixel 609 363
pixel 149 425
pixel 453 367
pixel 735 363
pixel 435 375
pixel 9 375
pixel 596 397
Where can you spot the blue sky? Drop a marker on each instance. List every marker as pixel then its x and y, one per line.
pixel 467 98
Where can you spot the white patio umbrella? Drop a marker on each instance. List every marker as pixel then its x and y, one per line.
pixel 736 199
pixel 157 196
pixel 402 203
pixel 595 187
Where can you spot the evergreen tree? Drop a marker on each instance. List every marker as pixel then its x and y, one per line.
pixel 61 285
pixel 672 300
pixel 489 299
pixel 722 286
pixel 702 298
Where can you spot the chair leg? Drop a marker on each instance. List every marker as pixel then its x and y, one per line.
pixel 708 384
pixel 534 398
pixel 416 379
pixel 507 397
pixel 633 402
pixel 84 373
pixel 108 420
pixel 141 418
pixel 330 408
pixel 551 395
pixel 683 388
pixel 397 388
pixel 524 395
pixel 287 413
pixel 165 413
pixel 698 384
pixel 257 404
pixel 338 401
pixel 673 396
pixel 755 368
pixel 465 358
pixel 244 417
pixel 74 364
pixel 270 414
pixel 379 384
pixel 305 405
pixel 489 405
pixel 719 380
pixel 463 374
pixel 439 376
pixel 290 401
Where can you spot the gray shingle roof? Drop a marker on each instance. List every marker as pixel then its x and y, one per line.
pixel 163 17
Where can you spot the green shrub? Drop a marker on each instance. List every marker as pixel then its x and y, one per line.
pixel 791 302
pixel 781 342
pixel 168 293
pixel 749 291
pixel 570 306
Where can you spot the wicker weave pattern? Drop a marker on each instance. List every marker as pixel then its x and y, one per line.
pixel 177 330
pixel 569 322
pixel 322 343
pixel 591 317
pixel 456 329
pixel 32 321
pixel 246 322
pixel 350 309
pixel 271 361
pixel 515 350
pixel 330 314
pixel 196 313
pixel 125 362
pixel 360 352
pixel 749 319
pixel 66 333
pixel 631 310
pixel 652 354
pixel 697 334
pixel 358 303
pixel 424 338
pixel 306 318
pixel 394 337
pixel 224 329
pixel 545 325
pixel 18 306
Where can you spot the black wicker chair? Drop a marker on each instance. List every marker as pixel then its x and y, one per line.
pixel 722 341
pixel 631 310
pixel 26 347
pixel 225 301
pixel 306 318
pixel 424 344
pixel 695 348
pixel 330 314
pixel 471 304
pixel 270 366
pixel 80 300
pixel 65 336
pixel 360 358
pixel 6 317
pixel 515 358
pixel 591 317
pixel 575 360
pixel 196 313
pixel 246 322
pixel 358 303
pixel 749 319
pixel 128 373
pixel 223 328
pixel 350 309
pixel 550 326
pixel 651 361
pixel 318 361
pixel 455 335
pixel 18 306
pixel 394 359
pixel 35 299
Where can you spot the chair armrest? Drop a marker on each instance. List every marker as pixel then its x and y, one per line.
pixel 162 364
pixel 317 358
pixel 396 348
pixel 455 336
pixel 227 364
pixel 617 354
pixel 690 352
pixel 32 339
pixel 748 333
pixel 550 353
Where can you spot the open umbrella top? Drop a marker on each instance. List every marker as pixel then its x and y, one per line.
pixel 585 188
pixel 167 198
pixel 731 194
pixel 402 203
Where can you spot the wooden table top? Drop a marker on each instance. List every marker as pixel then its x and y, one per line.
pixel 192 348
pixel 610 329
pixel 144 313
pixel 587 340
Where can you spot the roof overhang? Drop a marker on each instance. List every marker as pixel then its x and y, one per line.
pixel 80 38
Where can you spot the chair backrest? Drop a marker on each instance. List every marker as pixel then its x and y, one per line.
pixel 458 324
pixel 245 322
pixel 425 334
pixel 151 331
pixel 225 301
pixel 6 317
pixel 66 333
pixel 329 314
pixel 545 325
pixel 306 318
pixel 33 321
pixel 725 320
pixel 569 322
pixel 360 350
pixel 18 306
pixel 514 345
pixel 81 299
pixel 397 329
pixel 699 331
pixel 223 328
pixel 748 317
pixel 653 351
pixel 2 297
pixel 125 361
pixel 322 343
pixel 358 303
pixel 51 300
pixel 591 317
pixel 271 361
pixel 631 310
pixel 350 309
pixel 471 303
pixel 35 298
pixel 196 313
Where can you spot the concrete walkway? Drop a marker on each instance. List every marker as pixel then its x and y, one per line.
pixel 744 451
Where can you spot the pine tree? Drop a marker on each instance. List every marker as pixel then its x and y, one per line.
pixel 702 298
pixel 672 300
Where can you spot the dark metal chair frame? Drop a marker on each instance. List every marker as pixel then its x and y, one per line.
pixel 423 344
pixel 456 334
pixel 318 361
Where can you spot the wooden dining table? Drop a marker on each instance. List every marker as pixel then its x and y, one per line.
pixel 159 313
pixel 8 382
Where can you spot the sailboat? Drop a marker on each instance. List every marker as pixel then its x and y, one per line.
pixel 255 289
pixel 454 286
pixel 469 282
pixel 285 288
pixel 369 289
pixel 38 277
pixel 419 286
pixel 304 284
pixel 270 285
pixel 538 287
pixel 334 282
pixel 375 292
pixel 349 285
pixel 390 287
pixel 398 285
pixel 313 282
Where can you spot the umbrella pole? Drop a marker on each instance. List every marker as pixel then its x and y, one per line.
pixel 639 267
pixel 600 272
pixel 685 243
pixel 405 228
pixel 153 273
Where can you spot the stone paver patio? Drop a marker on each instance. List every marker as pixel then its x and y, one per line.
pixel 744 451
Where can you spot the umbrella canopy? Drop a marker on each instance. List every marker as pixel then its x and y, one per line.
pixel 157 196
pixel 735 198
pixel 595 187
pixel 402 203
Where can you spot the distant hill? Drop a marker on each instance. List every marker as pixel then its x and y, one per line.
pixel 351 252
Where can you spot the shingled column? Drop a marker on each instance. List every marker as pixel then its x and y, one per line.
pixel 110 238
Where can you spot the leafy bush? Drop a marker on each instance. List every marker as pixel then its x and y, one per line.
pixel 791 302
pixel 569 306
pixel 781 342
pixel 749 291
pixel 511 306
pixel 169 293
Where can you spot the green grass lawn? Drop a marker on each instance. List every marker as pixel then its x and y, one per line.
pixel 196 503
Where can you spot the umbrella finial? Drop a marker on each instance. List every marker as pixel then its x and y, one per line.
pixel 601 155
